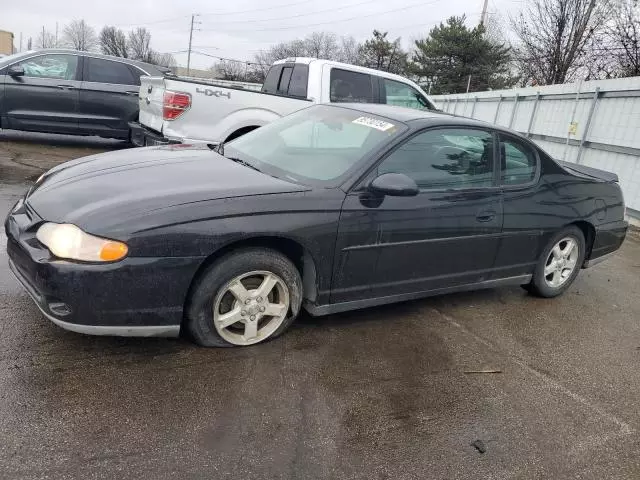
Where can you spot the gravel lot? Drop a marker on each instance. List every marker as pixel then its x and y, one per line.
pixel 385 393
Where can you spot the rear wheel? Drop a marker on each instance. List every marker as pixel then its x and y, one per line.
pixel 245 298
pixel 559 263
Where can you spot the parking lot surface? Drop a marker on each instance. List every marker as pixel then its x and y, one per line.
pixel 492 384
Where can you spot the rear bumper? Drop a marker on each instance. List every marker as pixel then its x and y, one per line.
pixel 142 136
pixel 609 238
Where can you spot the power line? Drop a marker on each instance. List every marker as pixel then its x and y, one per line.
pixel 344 7
pixel 273 7
pixel 331 22
pixel 166 20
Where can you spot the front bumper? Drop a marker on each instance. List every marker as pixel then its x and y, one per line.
pixel 141 136
pixel 138 296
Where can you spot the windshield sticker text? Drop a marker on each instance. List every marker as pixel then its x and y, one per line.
pixel 374 123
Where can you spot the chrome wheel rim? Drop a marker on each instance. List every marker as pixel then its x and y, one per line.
pixel 250 307
pixel 561 262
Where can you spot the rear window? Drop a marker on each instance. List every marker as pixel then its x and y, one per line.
pixel 283 85
pixel 289 79
pixel 270 84
pixel 349 86
pixel 299 80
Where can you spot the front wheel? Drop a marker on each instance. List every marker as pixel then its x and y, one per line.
pixel 559 263
pixel 244 298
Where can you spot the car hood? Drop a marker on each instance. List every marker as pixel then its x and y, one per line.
pixel 108 188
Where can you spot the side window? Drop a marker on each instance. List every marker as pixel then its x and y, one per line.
pixel 518 162
pixel 349 86
pixel 285 78
pixel 299 80
pixel 403 95
pixel 445 158
pixel 137 73
pixel 62 67
pixel 270 84
pixel 106 71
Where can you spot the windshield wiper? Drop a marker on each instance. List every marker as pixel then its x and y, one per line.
pixel 243 162
pixel 220 149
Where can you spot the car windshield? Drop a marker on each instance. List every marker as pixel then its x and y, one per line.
pixel 320 145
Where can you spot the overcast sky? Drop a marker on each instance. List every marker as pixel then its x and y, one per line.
pixel 240 28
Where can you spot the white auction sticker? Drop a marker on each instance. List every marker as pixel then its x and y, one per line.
pixel 374 123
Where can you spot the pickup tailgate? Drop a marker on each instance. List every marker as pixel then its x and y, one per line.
pixel 151 98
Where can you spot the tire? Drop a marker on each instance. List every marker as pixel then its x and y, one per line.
pixel 233 290
pixel 543 285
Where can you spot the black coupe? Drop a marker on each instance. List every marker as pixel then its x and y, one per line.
pixel 330 209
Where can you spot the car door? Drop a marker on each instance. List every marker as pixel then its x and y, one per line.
pixel 523 226
pixel 45 97
pixel 446 236
pixel 108 97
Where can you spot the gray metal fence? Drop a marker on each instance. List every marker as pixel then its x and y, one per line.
pixel 593 123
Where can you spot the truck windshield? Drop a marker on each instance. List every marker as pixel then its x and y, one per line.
pixel 320 145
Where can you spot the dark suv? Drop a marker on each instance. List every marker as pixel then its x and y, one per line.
pixel 71 92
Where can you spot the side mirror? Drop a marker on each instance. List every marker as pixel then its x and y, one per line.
pixel 394 185
pixel 16 71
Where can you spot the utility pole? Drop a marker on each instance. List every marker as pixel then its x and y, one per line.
pixel 20 42
pixel 190 40
pixel 43 45
pixel 56 45
pixel 483 18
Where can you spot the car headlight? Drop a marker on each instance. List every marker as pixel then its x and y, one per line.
pixel 68 241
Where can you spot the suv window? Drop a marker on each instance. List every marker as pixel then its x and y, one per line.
pixel 445 158
pixel 349 86
pixel 285 78
pixel 403 95
pixel 106 71
pixel 270 84
pixel 518 162
pixel 51 66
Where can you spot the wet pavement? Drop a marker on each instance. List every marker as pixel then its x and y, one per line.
pixel 385 393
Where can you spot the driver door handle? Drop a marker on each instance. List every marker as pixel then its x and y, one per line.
pixel 66 87
pixel 486 216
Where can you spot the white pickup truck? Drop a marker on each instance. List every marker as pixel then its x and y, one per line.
pixel 178 110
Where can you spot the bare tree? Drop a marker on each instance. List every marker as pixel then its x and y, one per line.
pixel 45 39
pixel 553 36
pixel 318 45
pixel 229 70
pixel 114 42
pixel 80 36
pixel 139 43
pixel 622 38
pixel 164 59
pixel 322 45
pixel 350 51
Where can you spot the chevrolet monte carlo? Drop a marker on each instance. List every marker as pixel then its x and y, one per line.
pixel 333 208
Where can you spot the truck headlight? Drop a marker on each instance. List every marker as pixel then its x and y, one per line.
pixel 68 241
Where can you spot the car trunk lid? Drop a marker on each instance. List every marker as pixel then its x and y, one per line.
pixel 590 172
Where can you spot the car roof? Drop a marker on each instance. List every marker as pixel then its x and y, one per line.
pixel 419 118
pixel 148 67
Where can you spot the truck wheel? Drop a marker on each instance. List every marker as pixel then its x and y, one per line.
pixel 245 298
